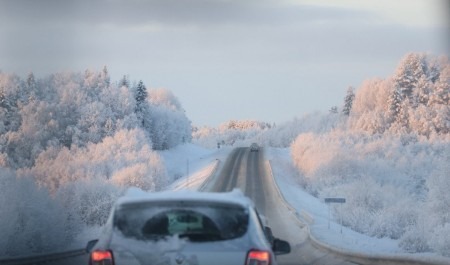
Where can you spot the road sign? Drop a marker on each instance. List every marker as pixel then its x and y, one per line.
pixel 334 200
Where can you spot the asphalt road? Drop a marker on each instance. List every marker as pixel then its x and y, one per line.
pixel 247 170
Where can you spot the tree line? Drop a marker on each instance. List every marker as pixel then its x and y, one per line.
pixel 70 143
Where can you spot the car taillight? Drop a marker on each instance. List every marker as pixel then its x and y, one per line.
pixel 102 257
pixel 257 257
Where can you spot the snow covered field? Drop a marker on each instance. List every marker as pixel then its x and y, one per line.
pixel 192 165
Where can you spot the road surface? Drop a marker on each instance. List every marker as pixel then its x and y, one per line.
pixel 248 171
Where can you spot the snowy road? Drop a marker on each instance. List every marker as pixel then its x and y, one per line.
pixel 247 171
pixel 250 172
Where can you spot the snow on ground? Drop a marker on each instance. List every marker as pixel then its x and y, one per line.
pixel 202 163
pixel 315 212
pixel 191 165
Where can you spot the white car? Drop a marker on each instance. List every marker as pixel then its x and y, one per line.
pixel 185 228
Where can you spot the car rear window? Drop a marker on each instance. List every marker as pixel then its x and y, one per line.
pixel 195 221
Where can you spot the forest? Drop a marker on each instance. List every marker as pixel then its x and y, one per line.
pixel 386 149
pixel 389 155
pixel 69 144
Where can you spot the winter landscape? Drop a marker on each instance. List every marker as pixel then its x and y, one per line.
pixel 72 142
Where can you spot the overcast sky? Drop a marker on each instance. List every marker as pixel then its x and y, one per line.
pixel 269 60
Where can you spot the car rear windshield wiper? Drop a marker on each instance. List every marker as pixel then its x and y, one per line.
pixel 201 237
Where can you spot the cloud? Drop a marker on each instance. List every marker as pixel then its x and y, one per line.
pixel 174 13
pixel 176 34
pixel 212 47
pixel 62 33
pixel 119 13
pixel 415 13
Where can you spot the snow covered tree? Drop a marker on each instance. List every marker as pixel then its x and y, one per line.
pixel 394 104
pixel 92 84
pixel 412 68
pixel 31 86
pixel 164 97
pixel 6 107
pixel 104 76
pixel 11 92
pixel 441 119
pixel 348 101
pixel 141 93
pixel 72 142
pixel 169 124
pixel 333 110
pixel 32 221
pixel 441 91
pixel 422 93
pixel 439 101
pixel 401 122
pixel 437 208
pixel 141 108
pixel 124 82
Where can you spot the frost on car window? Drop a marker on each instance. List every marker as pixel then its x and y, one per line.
pixel 194 221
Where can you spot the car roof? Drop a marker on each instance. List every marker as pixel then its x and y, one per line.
pixel 136 195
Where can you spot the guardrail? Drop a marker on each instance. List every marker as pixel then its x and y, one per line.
pixel 305 219
pixel 208 179
pixel 43 258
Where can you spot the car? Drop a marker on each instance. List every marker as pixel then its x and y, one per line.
pixel 185 227
pixel 254 147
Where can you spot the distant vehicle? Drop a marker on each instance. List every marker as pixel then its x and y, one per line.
pixel 177 228
pixel 254 147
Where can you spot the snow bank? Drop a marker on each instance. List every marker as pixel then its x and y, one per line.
pixel 325 227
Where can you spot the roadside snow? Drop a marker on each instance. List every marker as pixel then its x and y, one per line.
pixel 202 163
pixel 189 165
pixel 324 226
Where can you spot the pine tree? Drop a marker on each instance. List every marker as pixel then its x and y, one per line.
pixel 31 87
pixel 403 117
pixel 439 102
pixel 4 102
pixel 124 82
pixel 141 93
pixel 334 110
pixel 394 103
pixel 104 75
pixel 422 92
pixel 433 71
pixel 348 101
pixel 141 98
pixel 441 89
pixel 410 70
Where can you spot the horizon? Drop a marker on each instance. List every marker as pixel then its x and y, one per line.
pixel 269 61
